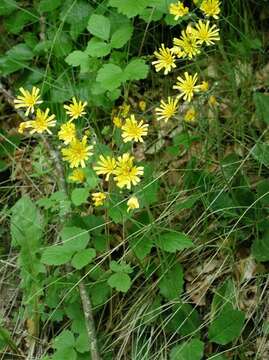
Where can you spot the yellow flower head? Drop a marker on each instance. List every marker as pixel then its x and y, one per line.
pixel 142 105
pixel 132 203
pixel 211 8
pixel 117 121
pixel 75 109
pixel 77 152
pixel 187 86
pixel 132 130
pixel 105 166
pixel 206 34
pixel 124 109
pixel 178 10
pixel 212 101
pixel 167 109
pixel 42 122
pixel 190 115
pixel 126 173
pixel 166 60
pixel 23 125
pixel 98 198
pixel 77 176
pixel 67 133
pixel 186 46
pixel 28 100
pixel 204 86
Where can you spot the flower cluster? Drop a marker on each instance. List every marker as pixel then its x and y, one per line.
pixel 187 46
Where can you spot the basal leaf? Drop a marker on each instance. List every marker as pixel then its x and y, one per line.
pixel 120 281
pixel 83 258
pixel 192 350
pixel 110 76
pixel 173 241
pixel 99 26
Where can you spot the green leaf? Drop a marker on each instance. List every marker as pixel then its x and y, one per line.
pixel 130 8
pixel 99 26
pixel 26 224
pixel 65 353
pixel 74 238
pixel 62 44
pixel 185 320
pixel 227 326
pixel 49 5
pixel 99 293
pixel 7 7
pixel 20 52
pixel 260 248
pixel 120 267
pixel 171 282
pixel 56 255
pixel 82 342
pixel 120 37
pixel 136 69
pixel 83 258
pixel 260 153
pixel 192 350
pixel 78 58
pixel 110 76
pixel 16 22
pixel 98 48
pixel 173 241
pixel 79 196
pixel 64 340
pixel 120 281
pixel 262 106
pixel 141 244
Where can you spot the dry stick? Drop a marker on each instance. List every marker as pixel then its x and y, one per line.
pixel 86 302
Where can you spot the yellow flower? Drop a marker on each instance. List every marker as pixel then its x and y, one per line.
pixel 178 10
pixel 211 8
pixel 204 86
pixel 190 115
pixel 77 152
pixel 132 130
pixel 126 173
pixel 132 203
pixel 205 34
pixel 167 109
pixel 42 122
pixel 23 125
pixel 212 101
pixel 98 198
pixel 142 105
pixel 124 109
pixel 75 109
pixel 105 166
pixel 186 46
pixel 67 132
pixel 28 100
pixel 78 176
pixel 117 121
pixel 187 86
pixel 165 60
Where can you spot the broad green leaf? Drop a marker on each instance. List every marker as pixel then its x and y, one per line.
pixel 9 66
pixel 171 282
pixel 20 52
pixel 141 244
pixel 67 353
pixel 99 26
pixel 173 241
pixel 129 8
pixel 136 69
pixel 74 238
pixel 185 320
pixel 83 258
pixel 120 281
pixel 16 22
pixel 26 224
pixel 78 58
pixel 49 5
pixel 97 47
pixel 79 196
pixel 76 12
pixel 262 106
pixel 191 350
pixel 120 267
pixel 7 7
pixel 227 326
pixel 56 255
pixel 110 76
pixel 99 293
pixel 82 342
pixel 62 44
pixel 260 248
pixel 260 153
pixel 120 37
pixel 64 340
pixel 225 295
